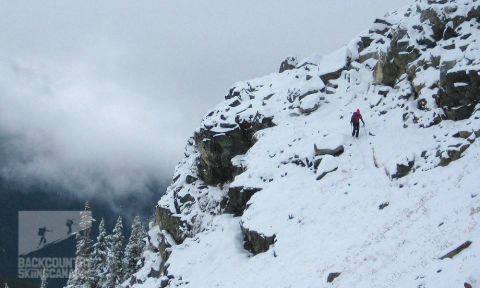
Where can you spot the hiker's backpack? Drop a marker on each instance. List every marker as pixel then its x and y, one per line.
pixel 355 118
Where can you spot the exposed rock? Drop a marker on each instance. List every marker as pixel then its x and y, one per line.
pixel 172 224
pixel 164 282
pixel 403 170
pixel 256 242
pixel 460 92
pixel 332 75
pixel 401 51
pixel 452 154
pixel 237 199
pixel 325 151
pixel 386 72
pixel 153 274
pixel 422 104
pixel 190 179
pixel 164 250
pixel 463 134
pixel 437 23
pixel 457 250
pixel 324 173
pixel 186 198
pixel 332 276
pixel 288 64
pixel 449 31
pixel 474 13
pixel 365 41
pixel 383 205
pixel 218 149
pixel 238 169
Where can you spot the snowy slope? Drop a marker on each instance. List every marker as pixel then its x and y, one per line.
pixel 254 204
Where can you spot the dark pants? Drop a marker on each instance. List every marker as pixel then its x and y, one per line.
pixel 356 129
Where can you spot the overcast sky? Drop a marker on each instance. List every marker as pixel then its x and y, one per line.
pixel 108 91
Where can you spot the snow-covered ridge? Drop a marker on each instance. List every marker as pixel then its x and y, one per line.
pixel 274 192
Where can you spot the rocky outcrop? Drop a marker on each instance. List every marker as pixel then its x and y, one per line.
pixel 332 75
pixel 288 64
pixel 172 224
pixel 332 276
pixel 386 72
pixel 216 151
pixel 435 21
pixel 383 205
pixel 326 151
pixel 395 62
pixel 460 93
pixel 237 199
pixel 218 148
pixel 403 170
pixel 452 154
pixel 164 251
pixel 256 242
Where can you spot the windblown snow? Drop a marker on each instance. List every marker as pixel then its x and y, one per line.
pixel 275 192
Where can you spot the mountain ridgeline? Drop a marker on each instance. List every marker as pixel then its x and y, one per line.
pixel 273 191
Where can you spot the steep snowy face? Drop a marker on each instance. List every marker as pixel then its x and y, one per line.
pixel 275 192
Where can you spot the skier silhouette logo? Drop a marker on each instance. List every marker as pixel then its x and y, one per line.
pixel 41 233
pixel 69 225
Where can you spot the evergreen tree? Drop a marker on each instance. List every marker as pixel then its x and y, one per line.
pixel 99 257
pixel 135 248
pixel 81 275
pixel 43 279
pixel 115 255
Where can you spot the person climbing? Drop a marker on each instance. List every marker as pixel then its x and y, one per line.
pixel 41 233
pixel 355 121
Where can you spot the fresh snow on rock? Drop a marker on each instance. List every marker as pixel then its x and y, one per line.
pixel 254 204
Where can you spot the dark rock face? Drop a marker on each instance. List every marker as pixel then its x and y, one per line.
pixel 164 250
pixel 460 92
pixel 462 134
pixel 386 72
pixel 288 64
pixel 395 63
pixel 172 224
pixel 216 153
pixel 218 149
pixel 237 199
pixel 256 242
pixel 332 276
pixel 403 170
pixel 334 152
pixel 437 23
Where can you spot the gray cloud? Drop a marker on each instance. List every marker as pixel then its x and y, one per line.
pixel 105 93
